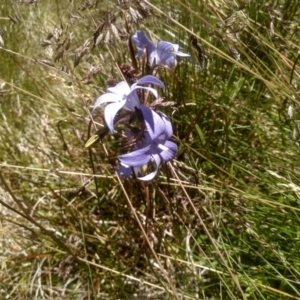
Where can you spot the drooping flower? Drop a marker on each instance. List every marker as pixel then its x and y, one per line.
pixel 164 53
pixel 154 146
pixel 124 96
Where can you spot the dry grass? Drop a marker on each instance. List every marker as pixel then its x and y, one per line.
pixel 220 222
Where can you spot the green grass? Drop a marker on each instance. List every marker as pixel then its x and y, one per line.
pixel 219 222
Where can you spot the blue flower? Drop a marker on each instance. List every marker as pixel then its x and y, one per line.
pixel 164 53
pixel 154 146
pixel 124 96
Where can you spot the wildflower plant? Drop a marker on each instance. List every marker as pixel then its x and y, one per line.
pixel 148 131
pixel 164 53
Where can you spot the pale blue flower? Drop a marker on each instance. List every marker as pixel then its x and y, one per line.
pixel 124 96
pixel 154 146
pixel 164 53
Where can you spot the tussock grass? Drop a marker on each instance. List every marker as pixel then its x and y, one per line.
pixel 220 222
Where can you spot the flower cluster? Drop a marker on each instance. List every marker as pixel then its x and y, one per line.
pixel 163 54
pixel 147 131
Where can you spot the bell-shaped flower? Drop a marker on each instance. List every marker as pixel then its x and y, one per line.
pixel 164 53
pixel 124 96
pixel 154 146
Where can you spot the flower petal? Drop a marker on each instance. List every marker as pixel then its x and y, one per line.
pixel 108 97
pixel 150 79
pixel 136 158
pixel 141 40
pixel 110 112
pixel 132 101
pixel 164 48
pixel 169 154
pixel 154 123
pixel 179 53
pixel 154 59
pixel 152 174
pixel 169 127
pixel 165 52
pixel 126 171
pixel 121 89
pixel 153 91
